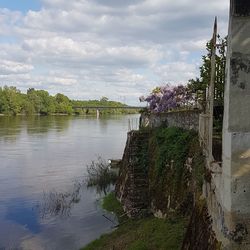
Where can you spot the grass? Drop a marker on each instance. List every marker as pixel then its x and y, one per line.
pixel 111 204
pixel 144 234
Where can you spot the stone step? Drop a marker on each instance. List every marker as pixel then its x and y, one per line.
pixel 131 206
pixel 137 180
pixel 137 176
pixel 138 199
pixel 139 192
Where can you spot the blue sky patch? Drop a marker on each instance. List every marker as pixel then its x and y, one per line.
pixel 21 5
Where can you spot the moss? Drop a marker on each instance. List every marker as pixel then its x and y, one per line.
pixel 171 144
pixel 169 149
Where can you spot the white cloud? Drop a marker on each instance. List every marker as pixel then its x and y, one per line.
pixel 176 72
pixel 90 47
pixel 10 67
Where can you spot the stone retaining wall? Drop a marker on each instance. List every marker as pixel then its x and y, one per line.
pixel 186 119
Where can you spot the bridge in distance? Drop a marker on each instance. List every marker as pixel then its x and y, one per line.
pixel 108 107
pixel 98 108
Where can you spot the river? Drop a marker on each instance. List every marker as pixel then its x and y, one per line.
pixel 42 158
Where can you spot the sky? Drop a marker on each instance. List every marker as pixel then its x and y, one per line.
pixel 120 49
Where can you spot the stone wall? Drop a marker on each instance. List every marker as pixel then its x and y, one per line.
pixel 142 190
pixel 199 234
pixel 186 119
pixel 228 192
pixel 132 184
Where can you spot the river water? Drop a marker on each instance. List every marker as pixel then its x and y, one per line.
pixel 42 158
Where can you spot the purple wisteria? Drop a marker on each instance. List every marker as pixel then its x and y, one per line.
pixel 167 97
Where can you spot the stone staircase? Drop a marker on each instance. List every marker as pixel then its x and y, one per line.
pixel 132 186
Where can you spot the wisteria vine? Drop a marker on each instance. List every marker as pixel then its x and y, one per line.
pixel 168 97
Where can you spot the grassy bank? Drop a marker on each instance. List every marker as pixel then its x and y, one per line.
pixel 144 234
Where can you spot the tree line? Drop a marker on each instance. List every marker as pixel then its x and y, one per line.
pixel 14 102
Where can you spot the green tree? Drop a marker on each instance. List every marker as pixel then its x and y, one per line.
pixel 34 99
pixel 3 101
pixel 42 102
pixel 104 99
pixel 28 107
pixel 47 102
pixel 63 104
pixel 10 100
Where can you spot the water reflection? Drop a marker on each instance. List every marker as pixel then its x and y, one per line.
pixel 100 177
pixel 47 154
pixel 43 124
pixel 12 127
pixel 23 215
pixel 58 203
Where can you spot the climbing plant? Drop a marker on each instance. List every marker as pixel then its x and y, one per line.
pixel 167 97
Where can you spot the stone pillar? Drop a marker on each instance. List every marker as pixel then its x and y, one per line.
pixel 235 186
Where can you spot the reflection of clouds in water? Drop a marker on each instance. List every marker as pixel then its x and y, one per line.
pixel 22 214
pixel 50 161
pixel 74 231
pixel 11 234
pixel 49 241
pixel 36 243
pixel 85 225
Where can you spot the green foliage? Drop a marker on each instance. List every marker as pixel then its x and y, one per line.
pixel 106 103
pixel 10 100
pixel 13 102
pixel 39 102
pixel 104 99
pixel 199 85
pixel 169 150
pixel 34 100
pixel 46 104
pixel 63 104
pixel 171 144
